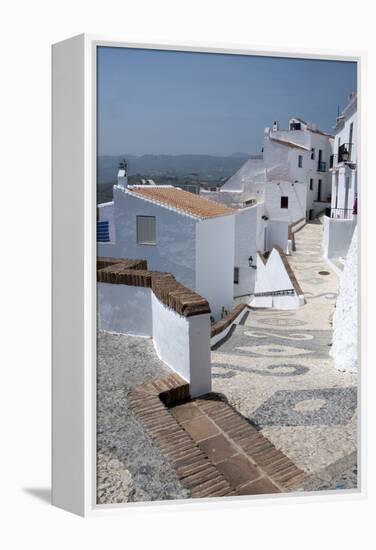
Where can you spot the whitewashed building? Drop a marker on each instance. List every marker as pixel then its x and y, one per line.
pixel 340 221
pixel 176 232
pixel 291 178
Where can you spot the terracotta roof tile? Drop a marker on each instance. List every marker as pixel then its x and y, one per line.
pixel 183 201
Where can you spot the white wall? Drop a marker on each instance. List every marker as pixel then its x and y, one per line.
pixel 106 213
pixel 183 343
pixel 246 234
pixel 175 251
pixel 345 320
pixel 297 194
pixel 278 234
pixel 125 309
pixel 215 238
pixel 337 237
pixel 344 190
pixel 272 276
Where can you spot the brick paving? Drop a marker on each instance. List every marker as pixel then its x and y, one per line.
pixel 213 449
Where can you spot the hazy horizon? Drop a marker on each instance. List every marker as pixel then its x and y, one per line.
pixel 155 102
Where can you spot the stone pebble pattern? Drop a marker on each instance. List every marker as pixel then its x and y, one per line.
pixel 214 451
pixel 165 287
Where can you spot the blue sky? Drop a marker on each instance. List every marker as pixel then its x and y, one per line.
pixel 163 102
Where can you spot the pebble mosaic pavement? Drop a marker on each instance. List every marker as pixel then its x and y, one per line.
pixel 275 369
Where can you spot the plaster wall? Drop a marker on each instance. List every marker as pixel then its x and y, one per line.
pixel 125 309
pixel 175 249
pixel 215 248
pixel 278 234
pixel 297 199
pixel 345 320
pixel 245 246
pixel 272 275
pixel 344 189
pixel 337 237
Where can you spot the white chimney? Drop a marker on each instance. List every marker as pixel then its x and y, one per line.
pixel 122 176
pixel 275 126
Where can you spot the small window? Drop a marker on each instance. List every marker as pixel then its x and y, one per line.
pixel 146 231
pixel 300 161
pixel 236 275
pixel 313 153
pixel 284 202
pixel 311 184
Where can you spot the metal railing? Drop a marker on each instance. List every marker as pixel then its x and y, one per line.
pixel 341 213
pixel 287 292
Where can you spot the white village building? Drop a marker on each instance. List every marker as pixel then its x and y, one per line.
pixel 291 179
pixel 176 232
pixel 340 221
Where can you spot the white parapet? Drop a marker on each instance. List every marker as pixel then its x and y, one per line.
pixel 345 320
pixel 182 343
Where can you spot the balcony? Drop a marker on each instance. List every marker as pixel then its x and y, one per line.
pixel 321 166
pixel 341 213
pixel 344 152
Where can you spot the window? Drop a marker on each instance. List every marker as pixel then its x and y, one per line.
pixel 284 202
pixel 236 275
pixel 300 161
pixel 146 230
pixel 311 184
pixel 313 153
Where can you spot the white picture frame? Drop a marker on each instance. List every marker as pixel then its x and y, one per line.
pixel 74 275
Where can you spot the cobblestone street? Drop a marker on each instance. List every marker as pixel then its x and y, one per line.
pixel 276 370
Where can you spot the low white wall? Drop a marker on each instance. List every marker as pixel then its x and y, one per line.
pixel 183 343
pixel 271 277
pixel 278 234
pixel 337 237
pixel 345 320
pixel 125 309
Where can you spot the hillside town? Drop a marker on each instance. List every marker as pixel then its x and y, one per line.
pixel 227 325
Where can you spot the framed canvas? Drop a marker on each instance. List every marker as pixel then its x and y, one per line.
pixel 206 241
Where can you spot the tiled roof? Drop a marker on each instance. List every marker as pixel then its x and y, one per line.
pixel 182 201
pixel 290 144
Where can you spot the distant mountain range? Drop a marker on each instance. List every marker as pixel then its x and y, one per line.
pixel 203 167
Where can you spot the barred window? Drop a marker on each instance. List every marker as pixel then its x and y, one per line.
pixel 146 230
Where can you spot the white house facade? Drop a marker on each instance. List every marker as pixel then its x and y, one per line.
pixel 340 221
pixel 176 232
pixel 291 178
